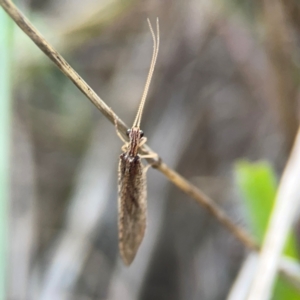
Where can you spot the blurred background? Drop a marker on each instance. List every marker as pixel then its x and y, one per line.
pixel 225 89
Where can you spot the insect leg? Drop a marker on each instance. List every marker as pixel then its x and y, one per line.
pixel 145 169
pixel 142 141
pixel 152 155
pixel 124 147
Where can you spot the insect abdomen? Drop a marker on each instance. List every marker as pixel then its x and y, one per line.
pixel 132 206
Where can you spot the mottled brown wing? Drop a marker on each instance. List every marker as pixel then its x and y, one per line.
pixel 132 206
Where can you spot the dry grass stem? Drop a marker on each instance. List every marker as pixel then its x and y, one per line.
pixel 286 206
pixel 208 203
pixel 242 283
pixel 174 177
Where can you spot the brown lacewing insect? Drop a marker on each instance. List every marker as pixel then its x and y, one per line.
pixel 132 201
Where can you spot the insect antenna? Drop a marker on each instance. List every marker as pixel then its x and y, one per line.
pixel 138 117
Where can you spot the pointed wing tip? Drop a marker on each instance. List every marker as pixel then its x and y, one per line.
pixel 127 258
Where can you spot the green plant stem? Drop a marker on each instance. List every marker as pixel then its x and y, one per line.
pixel 6 26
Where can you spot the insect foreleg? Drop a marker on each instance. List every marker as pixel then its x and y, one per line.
pixel 142 141
pixel 145 169
pixel 150 155
pixel 124 147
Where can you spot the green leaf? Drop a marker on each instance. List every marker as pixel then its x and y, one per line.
pixel 258 185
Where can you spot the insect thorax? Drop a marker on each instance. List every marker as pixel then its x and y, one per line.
pixel 135 135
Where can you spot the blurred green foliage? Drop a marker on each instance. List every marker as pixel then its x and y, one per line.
pixel 6 49
pixel 258 185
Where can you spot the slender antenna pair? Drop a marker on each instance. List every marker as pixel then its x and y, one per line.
pixel 138 117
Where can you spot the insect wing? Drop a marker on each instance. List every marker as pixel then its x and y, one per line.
pixel 132 206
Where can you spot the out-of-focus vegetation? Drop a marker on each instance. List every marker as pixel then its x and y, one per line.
pixel 225 87
pixel 257 183
pixel 6 63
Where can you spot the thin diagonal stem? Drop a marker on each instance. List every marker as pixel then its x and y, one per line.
pixel 209 204
pixel 174 177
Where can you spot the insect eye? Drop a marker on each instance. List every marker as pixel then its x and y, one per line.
pixel 141 133
pixel 127 132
